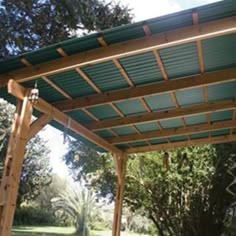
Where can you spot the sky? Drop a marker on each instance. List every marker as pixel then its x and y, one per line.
pixel 142 9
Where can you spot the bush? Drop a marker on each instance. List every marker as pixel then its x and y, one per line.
pixel 29 215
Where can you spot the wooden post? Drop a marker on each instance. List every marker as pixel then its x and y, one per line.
pixel 13 164
pixel 121 162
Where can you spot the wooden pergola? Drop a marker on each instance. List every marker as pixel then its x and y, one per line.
pixel 164 83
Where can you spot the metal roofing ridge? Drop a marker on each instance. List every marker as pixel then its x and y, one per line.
pixel 111 30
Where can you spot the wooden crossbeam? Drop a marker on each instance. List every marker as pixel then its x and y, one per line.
pixel 18 91
pixel 163 115
pixel 174 145
pixel 173 132
pixel 222 76
pixel 119 50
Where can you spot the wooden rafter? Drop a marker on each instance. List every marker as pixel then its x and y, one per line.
pixel 128 80
pixel 195 142
pixel 18 91
pixel 163 115
pixel 222 76
pixel 132 47
pixel 147 32
pixel 167 133
pixel 164 73
pixel 201 63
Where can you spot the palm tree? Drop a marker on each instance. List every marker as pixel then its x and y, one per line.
pixel 78 203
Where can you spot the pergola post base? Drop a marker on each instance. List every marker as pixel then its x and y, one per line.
pixel 121 162
pixel 13 164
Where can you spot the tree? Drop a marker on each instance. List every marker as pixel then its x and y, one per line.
pixel 36 171
pixel 188 198
pixel 78 203
pixel 30 24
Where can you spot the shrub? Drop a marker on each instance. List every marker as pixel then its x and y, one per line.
pixel 29 215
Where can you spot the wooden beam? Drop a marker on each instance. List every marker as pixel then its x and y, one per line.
pixel 163 115
pixel 148 33
pixel 222 76
pixel 13 165
pixel 17 90
pixel 174 145
pixel 173 132
pixel 38 125
pixel 121 171
pixel 131 47
pixel 201 62
pixel 88 80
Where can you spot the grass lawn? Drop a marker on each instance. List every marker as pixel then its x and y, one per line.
pixel 57 231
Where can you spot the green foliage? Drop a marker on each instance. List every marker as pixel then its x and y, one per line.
pixel 188 198
pixel 98 170
pixel 30 24
pixel 30 215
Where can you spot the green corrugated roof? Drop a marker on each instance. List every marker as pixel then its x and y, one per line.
pixel 142 69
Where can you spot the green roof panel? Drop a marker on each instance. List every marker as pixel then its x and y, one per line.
pixel 215 49
pixel 147 127
pixel 160 102
pixel 139 144
pixel 46 92
pixel 103 112
pixel 170 22
pixel 221 115
pixel 199 135
pixel 80 116
pixel 180 61
pixel 220 132
pixel 11 63
pixel 124 130
pixel 190 96
pixel 158 141
pixel 178 138
pixel 104 133
pixel 195 120
pixel 172 123
pixel 142 68
pixel 106 76
pixel 216 11
pixel 131 107
pixel 224 91
pixel 72 83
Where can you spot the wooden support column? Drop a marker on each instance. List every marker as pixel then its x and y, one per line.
pixel 121 162
pixel 13 164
